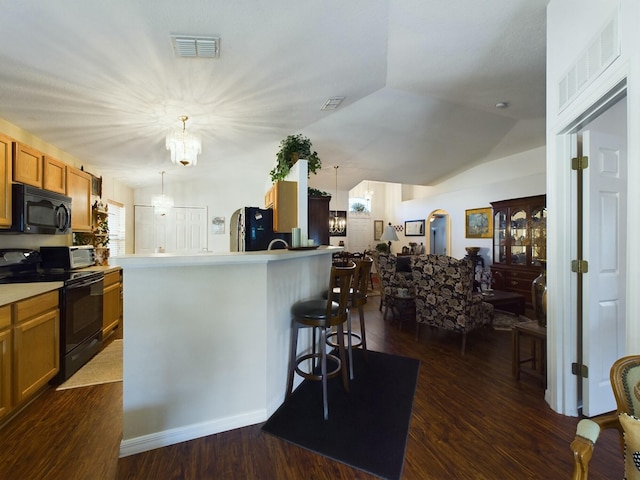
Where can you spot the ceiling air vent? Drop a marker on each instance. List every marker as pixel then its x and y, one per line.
pixel 196 47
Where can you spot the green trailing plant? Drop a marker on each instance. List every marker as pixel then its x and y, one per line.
pixel 358 207
pixel 293 148
pixel 314 192
pixel 382 248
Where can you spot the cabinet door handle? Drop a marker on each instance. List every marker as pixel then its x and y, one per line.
pixel 513 282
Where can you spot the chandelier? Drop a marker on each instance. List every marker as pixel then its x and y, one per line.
pixel 185 147
pixel 337 224
pixel 162 203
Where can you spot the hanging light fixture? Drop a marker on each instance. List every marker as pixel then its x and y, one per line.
pixel 162 203
pixel 185 147
pixel 336 224
pixel 368 193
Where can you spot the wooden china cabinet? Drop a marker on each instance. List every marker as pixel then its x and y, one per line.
pixel 519 248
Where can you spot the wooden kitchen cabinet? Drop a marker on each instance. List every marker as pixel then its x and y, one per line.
pixel 27 165
pixel 79 189
pixel 112 302
pixel 36 357
pixel 6 403
pixel 6 168
pixel 318 212
pixel 282 198
pixel 55 175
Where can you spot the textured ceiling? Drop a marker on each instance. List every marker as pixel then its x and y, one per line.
pixel 421 78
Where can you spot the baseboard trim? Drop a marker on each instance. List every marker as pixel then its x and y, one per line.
pixel 165 438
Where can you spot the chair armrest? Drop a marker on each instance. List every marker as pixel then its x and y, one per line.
pixel 587 433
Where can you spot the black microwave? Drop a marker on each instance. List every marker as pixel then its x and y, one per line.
pixel 40 211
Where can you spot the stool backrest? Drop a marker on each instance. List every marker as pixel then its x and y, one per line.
pixel 361 279
pixel 340 275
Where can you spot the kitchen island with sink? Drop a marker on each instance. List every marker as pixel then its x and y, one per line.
pixel 206 339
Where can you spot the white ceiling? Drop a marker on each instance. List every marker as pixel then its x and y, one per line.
pixel 99 80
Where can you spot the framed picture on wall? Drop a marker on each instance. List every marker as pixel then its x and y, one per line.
pixel 414 228
pixel 378 227
pixel 478 223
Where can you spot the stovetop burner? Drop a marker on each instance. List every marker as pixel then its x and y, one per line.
pixel 23 266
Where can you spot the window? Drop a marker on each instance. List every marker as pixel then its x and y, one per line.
pixel 117 222
pixel 359 205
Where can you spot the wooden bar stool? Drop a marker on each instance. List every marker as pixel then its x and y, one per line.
pixel 358 293
pixel 321 315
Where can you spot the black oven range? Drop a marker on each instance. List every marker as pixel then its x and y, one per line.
pixel 81 300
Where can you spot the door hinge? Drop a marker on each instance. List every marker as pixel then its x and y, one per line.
pixel 581 370
pixel 579 163
pixel 579 266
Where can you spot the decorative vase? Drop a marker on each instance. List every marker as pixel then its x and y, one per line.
pixel 539 295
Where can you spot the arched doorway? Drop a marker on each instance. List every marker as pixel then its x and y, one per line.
pixel 439 233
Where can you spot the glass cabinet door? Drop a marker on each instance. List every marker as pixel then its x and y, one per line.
pixel 519 237
pixel 538 235
pixel 500 237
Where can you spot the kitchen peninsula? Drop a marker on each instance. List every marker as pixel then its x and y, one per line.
pixel 206 339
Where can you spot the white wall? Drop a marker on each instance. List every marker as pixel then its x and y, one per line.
pixel 519 175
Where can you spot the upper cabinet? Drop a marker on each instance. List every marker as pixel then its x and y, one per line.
pixel 27 165
pixel 6 162
pixel 282 197
pixel 79 189
pixel 55 175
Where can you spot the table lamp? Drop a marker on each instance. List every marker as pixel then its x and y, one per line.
pixel 389 235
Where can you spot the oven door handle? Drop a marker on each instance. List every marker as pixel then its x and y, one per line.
pixel 85 283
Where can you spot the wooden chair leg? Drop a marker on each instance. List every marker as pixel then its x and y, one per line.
pixel 343 359
pixel 292 358
pixel 464 342
pixel 323 363
pixel 363 333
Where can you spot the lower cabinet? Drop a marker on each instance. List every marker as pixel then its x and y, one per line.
pixel 37 346
pixel 29 348
pixel 515 279
pixel 112 301
pixel 5 360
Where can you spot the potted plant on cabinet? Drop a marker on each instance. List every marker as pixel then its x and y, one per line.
pixel 293 148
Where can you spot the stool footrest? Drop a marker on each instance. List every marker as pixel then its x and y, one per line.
pixel 355 335
pixel 313 376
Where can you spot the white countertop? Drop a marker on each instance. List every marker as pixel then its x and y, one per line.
pixel 219 258
pixel 15 292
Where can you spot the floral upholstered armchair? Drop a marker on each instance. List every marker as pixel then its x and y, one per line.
pixel 391 280
pixel 444 295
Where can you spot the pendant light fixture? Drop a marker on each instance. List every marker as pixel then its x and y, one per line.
pixel 162 203
pixel 337 224
pixel 185 147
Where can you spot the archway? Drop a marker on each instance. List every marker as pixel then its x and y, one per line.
pixel 439 233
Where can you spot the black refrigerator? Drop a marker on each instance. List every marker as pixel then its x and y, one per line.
pixel 251 229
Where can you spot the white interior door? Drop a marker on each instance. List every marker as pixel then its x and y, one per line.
pixel 182 230
pixel 190 229
pixel 360 234
pixel 604 298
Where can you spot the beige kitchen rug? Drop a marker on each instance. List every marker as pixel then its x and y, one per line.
pixel 105 367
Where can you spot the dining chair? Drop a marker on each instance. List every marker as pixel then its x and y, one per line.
pixel 625 383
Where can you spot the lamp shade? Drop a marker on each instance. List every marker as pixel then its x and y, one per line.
pixel 389 234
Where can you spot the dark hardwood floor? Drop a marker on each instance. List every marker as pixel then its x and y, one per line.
pixel 471 420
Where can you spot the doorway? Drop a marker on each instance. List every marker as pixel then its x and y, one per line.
pixel 439 233
pixel 599 207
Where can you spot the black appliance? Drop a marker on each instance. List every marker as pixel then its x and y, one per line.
pixel 251 229
pixel 81 303
pixel 40 211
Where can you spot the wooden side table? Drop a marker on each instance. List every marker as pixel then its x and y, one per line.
pixel 404 307
pixel 536 364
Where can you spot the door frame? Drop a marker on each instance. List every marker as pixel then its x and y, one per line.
pixel 561 393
